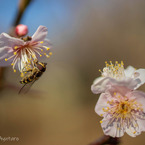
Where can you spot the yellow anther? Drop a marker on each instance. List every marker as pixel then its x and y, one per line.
pixel 101 121
pixel 100 70
pixel 41 49
pixel 50 53
pixel 40 55
pixel 48 48
pixel 101 115
pixel 44 53
pixel 108 108
pixel 16 47
pixel 106 62
pixel 122 63
pixel 116 62
pixel 6 59
pixel 114 93
pixel 14 70
pixel 47 56
pixel 118 96
pixel 22 75
pixel 110 61
pixel 12 64
pixel 15 53
pixel 41 41
pixel 134 132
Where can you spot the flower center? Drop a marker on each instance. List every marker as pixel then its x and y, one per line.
pixel 114 70
pixel 122 107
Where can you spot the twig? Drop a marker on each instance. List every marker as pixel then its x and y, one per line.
pixel 106 140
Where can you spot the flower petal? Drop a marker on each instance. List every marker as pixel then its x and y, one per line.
pixel 100 85
pixel 40 34
pixel 8 41
pixel 132 132
pixel 141 123
pixel 139 96
pixel 120 90
pixel 102 103
pixel 2 59
pixel 129 71
pixel 126 82
pixel 112 129
pixel 141 76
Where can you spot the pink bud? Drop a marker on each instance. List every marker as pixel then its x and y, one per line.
pixel 21 30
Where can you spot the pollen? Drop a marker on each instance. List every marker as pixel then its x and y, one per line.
pixel 16 47
pixel 134 132
pixel 48 48
pixel 101 115
pixel 101 121
pixel 14 70
pixel 44 53
pixel 12 64
pixel 22 75
pixel 50 53
pixel 6 59
pixel 47 56
pixel 40 55
pixel 41 42
pixel 15 53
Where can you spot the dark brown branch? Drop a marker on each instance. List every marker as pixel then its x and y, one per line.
pixel 106 140
pixel 22 7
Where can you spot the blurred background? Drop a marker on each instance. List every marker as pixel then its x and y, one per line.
pixel 59 108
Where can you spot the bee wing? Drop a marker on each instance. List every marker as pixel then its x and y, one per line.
pixel 26 87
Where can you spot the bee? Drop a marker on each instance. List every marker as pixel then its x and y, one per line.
pixel 33 74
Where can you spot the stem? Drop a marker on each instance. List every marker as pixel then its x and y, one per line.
pixel 106 140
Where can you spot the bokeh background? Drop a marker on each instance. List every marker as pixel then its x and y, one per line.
pixel 59 108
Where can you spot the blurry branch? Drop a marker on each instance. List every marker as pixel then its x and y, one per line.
pixel 21 9
pixel 106 140
pixel 23 4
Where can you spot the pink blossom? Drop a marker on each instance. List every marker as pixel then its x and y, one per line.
pixel 117 75
pixel 122 110
pixel 20 52
pixel 21 30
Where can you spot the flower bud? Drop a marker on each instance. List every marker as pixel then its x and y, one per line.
pixel 21 30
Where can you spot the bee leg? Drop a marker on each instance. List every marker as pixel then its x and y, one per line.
pixel 21 89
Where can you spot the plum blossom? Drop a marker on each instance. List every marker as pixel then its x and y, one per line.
pixel 117 75
pixel 21 52
pixel 123 111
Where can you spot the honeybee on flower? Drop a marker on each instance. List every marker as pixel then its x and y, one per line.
pixel 115 74
pixel 20 52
